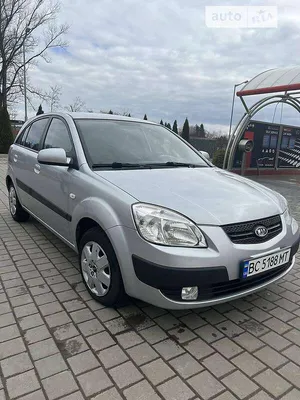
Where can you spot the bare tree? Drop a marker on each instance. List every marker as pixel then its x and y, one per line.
pixel 21 24
pixel 12 111
pixel 77 105
pixel 31 93
pixel 213 134
pixel 53 97
pixel 124 113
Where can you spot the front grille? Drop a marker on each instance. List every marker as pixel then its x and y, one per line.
pixel 243 233
pixel 224 289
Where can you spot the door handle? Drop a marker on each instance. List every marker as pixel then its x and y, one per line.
pixel 37 168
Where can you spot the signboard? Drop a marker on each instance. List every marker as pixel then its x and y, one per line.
pixel 270 139
pixel 289 152
pixel 266 137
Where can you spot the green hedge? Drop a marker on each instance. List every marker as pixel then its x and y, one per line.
pixel 6 135
pixel 218 158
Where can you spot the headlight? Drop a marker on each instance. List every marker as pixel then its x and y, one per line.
pixel 162 226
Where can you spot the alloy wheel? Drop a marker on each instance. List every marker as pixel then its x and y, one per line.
pixel 96 269
pixel 12 200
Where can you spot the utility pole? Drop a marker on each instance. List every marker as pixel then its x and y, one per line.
pixel 27 31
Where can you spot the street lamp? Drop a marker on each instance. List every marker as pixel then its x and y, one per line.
pixel 232 107
pixel 27 31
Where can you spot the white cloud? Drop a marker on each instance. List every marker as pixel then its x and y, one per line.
pixel 159 58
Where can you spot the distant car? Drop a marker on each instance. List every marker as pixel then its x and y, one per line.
pixel 148 215
pixel 205 154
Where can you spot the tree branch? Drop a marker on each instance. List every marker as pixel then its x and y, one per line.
pixel 49 45
pixel 16 16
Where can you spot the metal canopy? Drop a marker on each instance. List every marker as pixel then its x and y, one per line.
pixel 286 80
pixel 273 81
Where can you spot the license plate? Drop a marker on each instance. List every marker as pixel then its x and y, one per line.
pixel 262 264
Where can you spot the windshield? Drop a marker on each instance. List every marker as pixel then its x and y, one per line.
pixel 107 142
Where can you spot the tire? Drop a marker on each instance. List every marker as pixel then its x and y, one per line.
pixel 16 210
pixel 100 268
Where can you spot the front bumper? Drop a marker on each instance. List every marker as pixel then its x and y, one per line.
pixel 215 270
pixel 213 283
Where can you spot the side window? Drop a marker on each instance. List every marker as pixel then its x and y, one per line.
pixel 22 136
pixel 58 136
pixel 34 136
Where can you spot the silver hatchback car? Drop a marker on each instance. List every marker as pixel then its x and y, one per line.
pixel 147 213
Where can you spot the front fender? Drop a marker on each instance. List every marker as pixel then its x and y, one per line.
pixel 101 212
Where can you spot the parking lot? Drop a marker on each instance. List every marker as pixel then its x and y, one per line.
pixel 56 342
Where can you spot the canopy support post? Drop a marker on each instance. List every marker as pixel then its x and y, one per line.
pixel 245 105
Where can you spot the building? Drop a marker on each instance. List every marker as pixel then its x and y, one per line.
pixel 16 126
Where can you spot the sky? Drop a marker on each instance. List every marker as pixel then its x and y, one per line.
pixel 160 58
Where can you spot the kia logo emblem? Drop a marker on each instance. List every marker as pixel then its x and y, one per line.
pixel 261 231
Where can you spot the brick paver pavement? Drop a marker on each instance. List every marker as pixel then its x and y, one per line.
pixel 58 343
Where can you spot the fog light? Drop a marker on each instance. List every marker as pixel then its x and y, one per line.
pixel 189 293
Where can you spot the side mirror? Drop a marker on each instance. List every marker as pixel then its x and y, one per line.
pixel 205 155
pixel 53 156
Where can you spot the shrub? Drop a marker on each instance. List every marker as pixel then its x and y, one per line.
pixel 186 130
pixel 6 135
pixel 218 158
pixel 40 110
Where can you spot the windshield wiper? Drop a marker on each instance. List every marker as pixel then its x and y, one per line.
pixel 181 164
pixel 177 164
pixel 119 165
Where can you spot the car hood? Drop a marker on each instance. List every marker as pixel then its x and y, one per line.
pixel 208 196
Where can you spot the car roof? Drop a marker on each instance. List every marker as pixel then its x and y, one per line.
pixel 88 115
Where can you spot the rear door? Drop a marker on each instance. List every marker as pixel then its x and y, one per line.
pixel 51 183
pixel 15 160
pixel 25 163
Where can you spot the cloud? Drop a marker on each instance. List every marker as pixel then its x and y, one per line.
pixel 159 58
